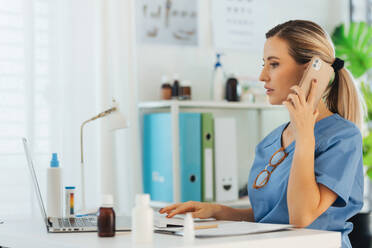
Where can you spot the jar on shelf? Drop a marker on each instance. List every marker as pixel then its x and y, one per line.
pixel 166 91
pixel 185 91
pixel 247 94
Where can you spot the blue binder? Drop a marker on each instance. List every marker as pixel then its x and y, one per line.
pixel 190 156
pixel 157 156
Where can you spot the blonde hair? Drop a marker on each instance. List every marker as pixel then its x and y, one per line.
pixel 306 39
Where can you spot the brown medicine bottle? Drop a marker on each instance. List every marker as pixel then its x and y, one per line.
pixel 106 218
pixel 166 91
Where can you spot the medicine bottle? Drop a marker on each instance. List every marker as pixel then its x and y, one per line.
pixel 166 91
pixel 106 218
pixel 69 201
pixel 185 91
pixel 188 229
pixel 166 88
pixel 232 91
pixel 175 86
pixel 142 220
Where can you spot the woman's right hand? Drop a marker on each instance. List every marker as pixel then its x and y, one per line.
pixel 202 210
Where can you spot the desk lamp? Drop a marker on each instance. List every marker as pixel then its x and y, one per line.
pixel 115 120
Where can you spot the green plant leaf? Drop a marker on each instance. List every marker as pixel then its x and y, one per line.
pixel 354 45
pixel 361 28
pixel 367 38
pixel 367 95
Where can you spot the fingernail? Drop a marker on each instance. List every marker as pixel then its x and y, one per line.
pixel 315 81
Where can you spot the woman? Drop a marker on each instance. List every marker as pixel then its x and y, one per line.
pixel 318 178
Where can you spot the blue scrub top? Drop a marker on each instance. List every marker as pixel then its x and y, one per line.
pixel 338 166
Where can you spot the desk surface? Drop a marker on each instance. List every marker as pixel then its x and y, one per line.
pixel 22 233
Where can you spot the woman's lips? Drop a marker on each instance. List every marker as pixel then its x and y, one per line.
pixel 269 91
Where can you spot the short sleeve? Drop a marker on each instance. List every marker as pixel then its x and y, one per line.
pixel 337 162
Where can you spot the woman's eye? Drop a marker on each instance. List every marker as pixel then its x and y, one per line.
pixel 274 64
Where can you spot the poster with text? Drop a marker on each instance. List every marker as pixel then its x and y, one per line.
pixel 239 24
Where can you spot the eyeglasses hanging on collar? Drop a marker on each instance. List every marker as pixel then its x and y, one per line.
pixel 264 176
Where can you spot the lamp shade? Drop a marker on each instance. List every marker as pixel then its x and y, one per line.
pixel 116 120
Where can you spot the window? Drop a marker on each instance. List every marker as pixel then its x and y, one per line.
pixel 361 10
pixel 24 82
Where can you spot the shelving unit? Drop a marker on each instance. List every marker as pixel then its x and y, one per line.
pixel 175 107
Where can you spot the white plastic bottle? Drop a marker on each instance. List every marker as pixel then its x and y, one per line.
pixel 142 220
pixel 218 81
pixel 188 229
pixel 54 188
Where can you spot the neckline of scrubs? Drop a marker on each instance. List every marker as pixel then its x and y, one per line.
pixel 290 146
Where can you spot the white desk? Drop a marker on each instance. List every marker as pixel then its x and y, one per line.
pixel 20 233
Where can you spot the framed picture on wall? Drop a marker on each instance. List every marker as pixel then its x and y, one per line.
pixel 172 22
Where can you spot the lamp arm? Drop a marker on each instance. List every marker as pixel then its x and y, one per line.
pixel 82 165
pixel 104 113
pixel 81 140
pixel 100 115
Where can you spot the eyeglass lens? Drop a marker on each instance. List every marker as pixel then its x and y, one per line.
pixel 262 178
pixel 277 157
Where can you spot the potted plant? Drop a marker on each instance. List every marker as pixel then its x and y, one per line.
pixel 354 46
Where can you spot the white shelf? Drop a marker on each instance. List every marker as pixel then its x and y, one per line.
pixel 175 107
pixel 206 104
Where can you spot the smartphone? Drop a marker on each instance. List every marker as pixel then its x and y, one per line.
pixel 322 72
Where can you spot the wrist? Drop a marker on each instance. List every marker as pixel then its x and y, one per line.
pixel 305 140
pixel 218 209
pixel 306 135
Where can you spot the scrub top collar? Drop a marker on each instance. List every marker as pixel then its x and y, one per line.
pixel 290 147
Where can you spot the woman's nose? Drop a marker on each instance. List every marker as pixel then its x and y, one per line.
pixel 263 76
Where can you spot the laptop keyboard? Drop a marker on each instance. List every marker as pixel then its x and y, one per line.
pixel 77 222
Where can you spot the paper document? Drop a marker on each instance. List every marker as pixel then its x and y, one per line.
pixel 224 228
pixel 239 228
pixel 177 221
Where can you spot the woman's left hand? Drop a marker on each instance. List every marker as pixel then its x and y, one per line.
pixel 301 110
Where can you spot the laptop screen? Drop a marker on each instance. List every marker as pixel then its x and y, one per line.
pixel 34 180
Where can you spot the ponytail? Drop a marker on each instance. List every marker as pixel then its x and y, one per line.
pixel 343 97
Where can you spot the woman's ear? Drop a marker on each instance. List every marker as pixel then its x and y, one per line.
pixel 301 69
pixel 304 66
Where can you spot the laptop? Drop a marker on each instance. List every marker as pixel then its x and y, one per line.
pixel 70 224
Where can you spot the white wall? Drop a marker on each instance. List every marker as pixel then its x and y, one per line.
pixel 119 77
pixel 76 63
pixel 196 63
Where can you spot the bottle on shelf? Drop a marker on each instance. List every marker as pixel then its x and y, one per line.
pixel 185 91
pixel 175 86
pixel 54 188
pixel 142 220
pixel 232 93
pixel 106 217
pixel 247 94
pixel 166 88
pixel 217 87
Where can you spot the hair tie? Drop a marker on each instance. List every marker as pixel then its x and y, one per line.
pixel 338 64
